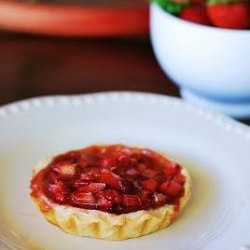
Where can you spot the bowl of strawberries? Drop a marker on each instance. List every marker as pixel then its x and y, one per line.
pixel 204 47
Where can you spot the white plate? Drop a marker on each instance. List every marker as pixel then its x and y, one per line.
pixel 216 150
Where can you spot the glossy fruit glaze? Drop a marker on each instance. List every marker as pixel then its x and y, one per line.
pixel 116 179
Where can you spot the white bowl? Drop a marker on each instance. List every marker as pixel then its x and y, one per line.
pixel 210 65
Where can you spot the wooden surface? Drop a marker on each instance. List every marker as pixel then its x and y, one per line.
pixel 35 66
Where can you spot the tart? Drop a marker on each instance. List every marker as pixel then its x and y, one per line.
pixel 112 192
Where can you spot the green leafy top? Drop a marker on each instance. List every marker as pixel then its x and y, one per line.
pixel 172 6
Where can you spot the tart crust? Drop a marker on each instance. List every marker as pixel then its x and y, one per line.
pixel 104 225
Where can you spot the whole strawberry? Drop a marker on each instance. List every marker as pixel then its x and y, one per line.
pixel 195 13
pixel 229 14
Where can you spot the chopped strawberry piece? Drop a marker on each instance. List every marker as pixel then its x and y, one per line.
pixel 150 184
pixel 83 161
pixel 146 198
pixel 109 178
pixel 91 174
pixel 80 183
pixel 59 190
pixel 149 173
pixel 127 186
pixel 87 176
pixel 113 159
pixel 53 178
pixel 160 177
pixel 179 178
pixel 171 170
pixel 104 203
pixel 123 158
pixel 175 189
pixel 65 170
pixel 233 15
pixel 106 162
pixel 160 199
pixel 141 167
pixel 132 172
pixel 131 201
pixel 83 199
pixel 92 187
pixel 164 187
pixel 94 172
pixel 113 195
pixel 172 188
pixel 196 14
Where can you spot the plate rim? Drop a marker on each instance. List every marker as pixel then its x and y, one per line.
pixel 219 119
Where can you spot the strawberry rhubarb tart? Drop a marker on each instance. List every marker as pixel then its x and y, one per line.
pixel 112 192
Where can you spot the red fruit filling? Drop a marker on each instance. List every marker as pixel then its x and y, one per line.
pixel 115 179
